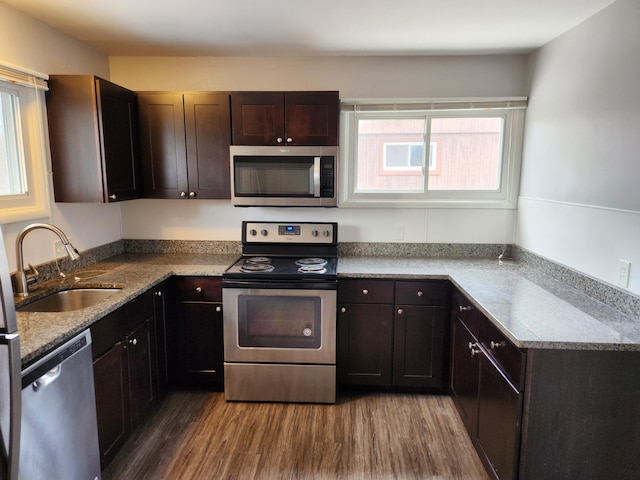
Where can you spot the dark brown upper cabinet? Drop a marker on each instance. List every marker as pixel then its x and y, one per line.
pixel 285 118
pixel 94 140
pixel 185 140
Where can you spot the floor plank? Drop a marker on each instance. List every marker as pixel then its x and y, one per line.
pixel 368 436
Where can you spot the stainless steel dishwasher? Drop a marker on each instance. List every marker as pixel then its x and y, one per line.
pixel 59 427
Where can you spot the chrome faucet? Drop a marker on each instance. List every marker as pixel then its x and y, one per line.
pixel 22 282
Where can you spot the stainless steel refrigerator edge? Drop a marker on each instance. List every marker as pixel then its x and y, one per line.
pixel 10 376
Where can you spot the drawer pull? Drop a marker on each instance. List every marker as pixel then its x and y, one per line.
pixel 465 308
pixel 158 293
pixel 474 351
pixel 419 293
pixel 218 309
pixel 495 345
pixel 199 289
pixel 400 311
pixel 365 291
pixel 134 341
pixel 343 310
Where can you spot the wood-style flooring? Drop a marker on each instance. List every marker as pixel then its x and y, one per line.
pixel 367 436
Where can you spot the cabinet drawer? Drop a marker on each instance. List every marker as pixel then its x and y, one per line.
pixel 466 312
pixel 365 291
pixel 508 357
pixel 424 292
pixel 119 323
pixel 199 289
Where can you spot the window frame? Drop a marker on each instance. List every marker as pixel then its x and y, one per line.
pixel 512 110
pixel 35 202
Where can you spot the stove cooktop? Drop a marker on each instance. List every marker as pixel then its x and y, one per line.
pixel 280 268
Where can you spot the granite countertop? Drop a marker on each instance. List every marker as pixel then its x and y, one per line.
pixel 530 308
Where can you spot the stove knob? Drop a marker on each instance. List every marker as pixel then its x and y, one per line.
pixel 314 233
pixel 264 233
pixel 253 232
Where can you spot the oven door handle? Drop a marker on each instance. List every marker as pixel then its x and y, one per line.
pixel 316 176
pixel 293 285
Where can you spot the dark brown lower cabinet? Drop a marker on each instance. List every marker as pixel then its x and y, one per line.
pixel 125 372
pixel 197 330
pixel 393 333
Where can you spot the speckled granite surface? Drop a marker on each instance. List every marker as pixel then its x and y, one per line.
pixel 532 309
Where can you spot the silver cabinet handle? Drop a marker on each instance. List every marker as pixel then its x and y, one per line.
pixel 198 289
pixel 365 292
pixel 218 309
pixel 495 345
pixel 192 194
pixel 279 139
pixel 400 311
pixel 158 293
pixel 465 308
pixel 134 341
pixel 343 309
pixel 112 197
pixel 183 194
pixel 473 349
pixel 419 293
pixel 289 140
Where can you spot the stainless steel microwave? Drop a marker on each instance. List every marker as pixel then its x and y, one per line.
pixel 284 176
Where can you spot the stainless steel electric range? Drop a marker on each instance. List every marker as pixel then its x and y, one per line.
pixel 280 314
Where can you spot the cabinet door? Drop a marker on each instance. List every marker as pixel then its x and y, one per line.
pixel 111 380
pixel 142 370
pixel 208 135
pixel 464 375
pixel 257 118
pixel 365 342
pixel 161 312
pixel 162 145
pixel 419 347
pixel 118 122
pixel 200 350
pixel 311 118
pixel 499 413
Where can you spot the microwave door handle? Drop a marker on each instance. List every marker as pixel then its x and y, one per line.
pixel 316 176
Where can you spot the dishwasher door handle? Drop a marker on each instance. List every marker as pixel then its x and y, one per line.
pixel 47 379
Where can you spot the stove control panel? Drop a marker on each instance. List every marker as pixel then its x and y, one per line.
pixel 284 232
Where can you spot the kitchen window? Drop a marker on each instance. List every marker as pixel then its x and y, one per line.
pixel 472 159
pixel 23 190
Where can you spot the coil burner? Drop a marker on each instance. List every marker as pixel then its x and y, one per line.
pixel 311 265
pixel 257 264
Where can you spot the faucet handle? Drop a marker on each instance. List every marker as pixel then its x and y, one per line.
pixel 32 277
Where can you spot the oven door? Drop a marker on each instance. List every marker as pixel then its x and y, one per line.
pixel 279 325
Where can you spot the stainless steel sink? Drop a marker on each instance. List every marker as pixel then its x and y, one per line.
pixel 69 300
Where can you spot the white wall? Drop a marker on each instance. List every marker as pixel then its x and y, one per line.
pixel 368 77
pixel 580 201
pixel 30 44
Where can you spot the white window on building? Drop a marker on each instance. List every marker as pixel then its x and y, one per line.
pixel 473 158
pixel 23 187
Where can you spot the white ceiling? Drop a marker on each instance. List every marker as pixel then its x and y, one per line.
pixel 309 28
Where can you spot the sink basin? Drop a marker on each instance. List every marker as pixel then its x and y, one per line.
pixel 69 300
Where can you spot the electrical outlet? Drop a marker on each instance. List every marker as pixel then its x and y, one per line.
pixel 58 249
pixel 624 270
pixel 398 232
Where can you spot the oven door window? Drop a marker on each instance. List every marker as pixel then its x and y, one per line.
pixel 272 177
pixel 279 322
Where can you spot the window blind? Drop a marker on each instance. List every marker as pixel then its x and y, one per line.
pixel 413 105
pixel 20 76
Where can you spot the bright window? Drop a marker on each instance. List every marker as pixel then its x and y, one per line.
pixel 473 157
pixel 23 187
